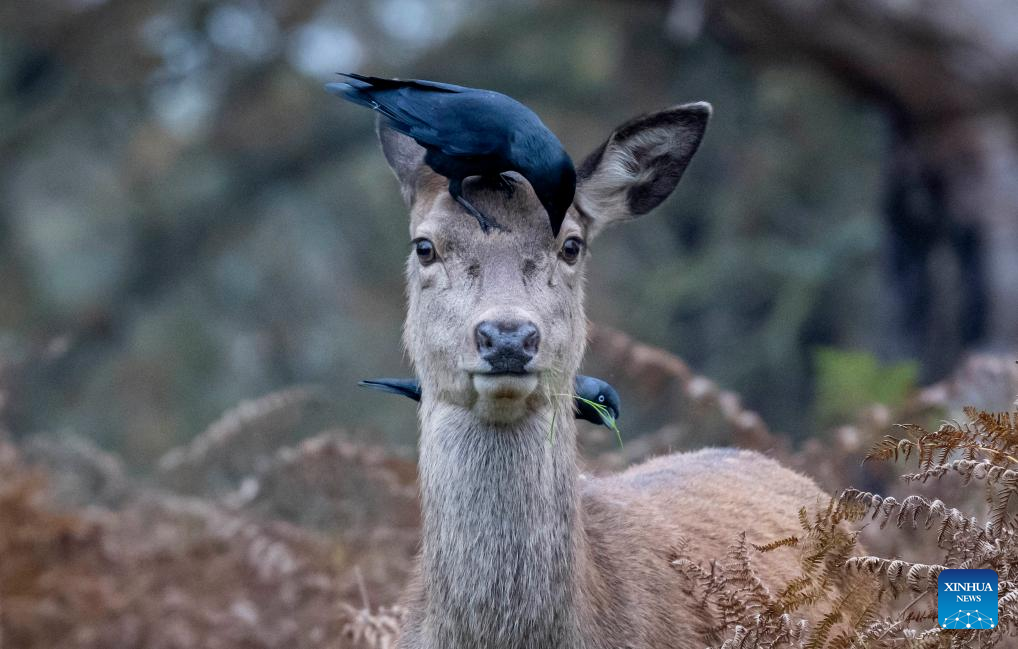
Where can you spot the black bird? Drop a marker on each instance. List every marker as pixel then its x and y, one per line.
pixel 588 390
pixel 471 132
pixel 593 390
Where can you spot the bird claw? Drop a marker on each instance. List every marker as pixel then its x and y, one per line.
pixel 487 224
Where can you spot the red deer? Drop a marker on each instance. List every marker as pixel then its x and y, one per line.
pixel 520 551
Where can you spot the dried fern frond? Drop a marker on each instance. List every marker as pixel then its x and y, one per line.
pixel 856 505
pixel 854 600
pixel 897 574
pixel 980 451
pixel 787 542
pixel 241 440
pixel 983 449
pixel 373 630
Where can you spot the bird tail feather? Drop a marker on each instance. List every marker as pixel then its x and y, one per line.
pixel 359 92
pixel 350 92
pixel 404 387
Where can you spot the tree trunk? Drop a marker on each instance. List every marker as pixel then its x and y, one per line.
pixel 946 70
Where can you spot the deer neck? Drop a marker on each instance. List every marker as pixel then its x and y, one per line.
pixel 503 537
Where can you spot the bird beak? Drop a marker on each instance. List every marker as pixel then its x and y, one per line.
pixel 608 418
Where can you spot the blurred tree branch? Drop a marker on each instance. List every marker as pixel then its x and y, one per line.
pixel 946 73
pixel 935 60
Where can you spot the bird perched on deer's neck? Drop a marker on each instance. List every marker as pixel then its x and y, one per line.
pixel 471 132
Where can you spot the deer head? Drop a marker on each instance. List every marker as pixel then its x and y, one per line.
pixel 495 321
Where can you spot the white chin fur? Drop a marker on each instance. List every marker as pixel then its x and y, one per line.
pixel 503 397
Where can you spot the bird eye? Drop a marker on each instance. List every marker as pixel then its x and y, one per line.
pixel 600 398
pixel 425 251
pixel 571 249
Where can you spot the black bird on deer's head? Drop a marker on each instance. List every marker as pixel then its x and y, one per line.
pixel 471 132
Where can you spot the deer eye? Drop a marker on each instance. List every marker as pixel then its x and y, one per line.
pixel 571 249
pixel 425 251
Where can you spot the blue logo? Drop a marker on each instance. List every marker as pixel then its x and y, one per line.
pixel 967 599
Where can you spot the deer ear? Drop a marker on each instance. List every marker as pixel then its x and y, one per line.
pixel 639 165
pixel 405 158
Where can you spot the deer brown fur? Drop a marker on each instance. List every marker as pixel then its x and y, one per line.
pixel 519 550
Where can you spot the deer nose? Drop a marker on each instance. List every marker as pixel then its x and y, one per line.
pixel 507 345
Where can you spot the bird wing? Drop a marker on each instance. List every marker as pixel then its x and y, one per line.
pixel 461 127
pixel 455 126
pixel 455 120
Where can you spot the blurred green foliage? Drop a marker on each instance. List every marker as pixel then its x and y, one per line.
pixel 848 381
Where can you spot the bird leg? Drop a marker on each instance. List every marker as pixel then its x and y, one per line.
pixel 456 191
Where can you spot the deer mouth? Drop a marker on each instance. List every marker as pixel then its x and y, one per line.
pixel 503 395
